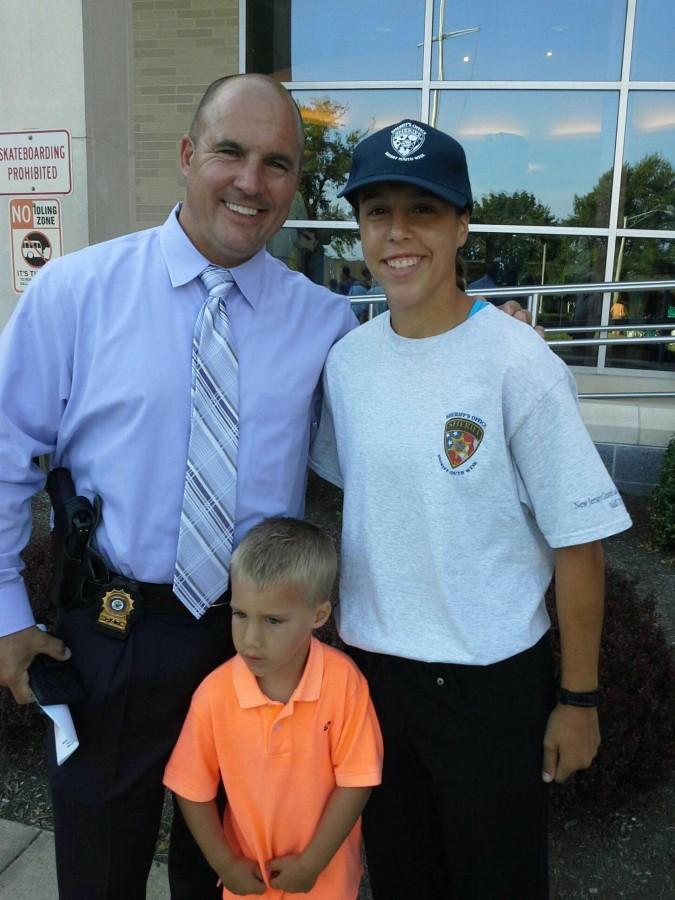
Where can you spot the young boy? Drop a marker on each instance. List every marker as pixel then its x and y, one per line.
pixel 468 477
pixel 289 727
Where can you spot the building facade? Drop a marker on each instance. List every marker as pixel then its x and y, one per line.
pixel 566 111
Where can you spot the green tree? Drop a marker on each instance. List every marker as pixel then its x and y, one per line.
pixel 647 196
pixel 518 208
pixel 649 193
pixel 592 209
pixel 518 255
pixel 328 155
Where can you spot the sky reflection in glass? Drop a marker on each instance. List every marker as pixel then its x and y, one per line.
pixel 529 40
pixel 552 144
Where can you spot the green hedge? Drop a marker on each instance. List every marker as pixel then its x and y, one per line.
pixel 662 506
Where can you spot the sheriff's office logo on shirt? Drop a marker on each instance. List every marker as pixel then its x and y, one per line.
pixel 462 436
pixel 406 139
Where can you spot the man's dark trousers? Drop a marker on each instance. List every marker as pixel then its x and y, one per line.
pixel 108 795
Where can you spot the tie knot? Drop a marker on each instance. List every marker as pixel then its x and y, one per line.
pixel 216 280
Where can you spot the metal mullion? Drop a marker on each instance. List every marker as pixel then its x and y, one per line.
pixel 618 168
pixel 336 225
pixel 573 230
pixel 357 85
pixel 664 234
pixel 242 36
pixel 528 85
pixel 546 230
pixel 426 59
pixel 651 85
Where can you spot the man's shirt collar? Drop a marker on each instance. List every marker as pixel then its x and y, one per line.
pixel 184 262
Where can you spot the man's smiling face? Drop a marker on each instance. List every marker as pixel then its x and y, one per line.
pixel 241 171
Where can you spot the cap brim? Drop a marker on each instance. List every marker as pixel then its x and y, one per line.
pixel 455 197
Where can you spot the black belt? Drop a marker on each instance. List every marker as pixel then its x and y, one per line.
pixel 153 596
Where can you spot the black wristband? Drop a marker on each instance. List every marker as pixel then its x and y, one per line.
pixel 580 698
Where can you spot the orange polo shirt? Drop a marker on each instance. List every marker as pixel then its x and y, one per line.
pixel 280 762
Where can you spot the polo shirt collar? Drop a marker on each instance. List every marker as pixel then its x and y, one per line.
pixel 184 262
pixel 248 691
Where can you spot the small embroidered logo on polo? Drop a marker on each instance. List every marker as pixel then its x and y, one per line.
pixel 406 139
pixel 327 725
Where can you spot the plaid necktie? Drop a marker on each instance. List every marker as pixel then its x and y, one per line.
pixel 207 517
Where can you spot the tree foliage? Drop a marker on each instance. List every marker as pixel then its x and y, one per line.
pixel 662 508
pixel 328 155
pixel 518 208
pixel 648 200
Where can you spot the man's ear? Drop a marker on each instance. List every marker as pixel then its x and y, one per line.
pixel 322 614
pixel 187 149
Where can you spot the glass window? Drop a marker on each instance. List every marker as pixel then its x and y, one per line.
pixel 527 40
pixel 333 258
pixel 335 40
pixel 653 57
pixel 644 259
pixel 535 157
pixel 648 186
pixel 526 260
pixel 335 121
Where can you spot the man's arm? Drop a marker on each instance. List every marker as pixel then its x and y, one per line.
pixel 298 873
pixel 572 734
pixel 35 349
pixel 241 876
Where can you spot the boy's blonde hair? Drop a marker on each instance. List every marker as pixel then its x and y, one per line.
pixel 281 550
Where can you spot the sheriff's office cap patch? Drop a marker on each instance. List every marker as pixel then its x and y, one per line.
pixel 411 152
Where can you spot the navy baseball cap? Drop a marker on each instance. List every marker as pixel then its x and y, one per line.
pixel 412 153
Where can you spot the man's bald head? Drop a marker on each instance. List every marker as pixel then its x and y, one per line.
pixel 225 83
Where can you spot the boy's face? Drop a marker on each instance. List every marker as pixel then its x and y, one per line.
pixel 271 630
pixel 410 240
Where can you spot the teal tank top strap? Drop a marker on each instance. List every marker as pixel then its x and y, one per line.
pixel 476 307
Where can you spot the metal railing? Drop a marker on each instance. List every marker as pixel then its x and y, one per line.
pixel 516 292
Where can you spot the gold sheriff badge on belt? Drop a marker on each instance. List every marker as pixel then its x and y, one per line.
pixel 117 610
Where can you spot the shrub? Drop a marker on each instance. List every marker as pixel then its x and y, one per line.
pixel 19 722
pixel 637 717
pixel 662 506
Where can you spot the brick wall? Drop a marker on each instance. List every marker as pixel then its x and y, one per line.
pixel 180 47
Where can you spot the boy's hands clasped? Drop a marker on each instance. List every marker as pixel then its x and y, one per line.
pixel 291 874
pixel 286 873
pixel 243 877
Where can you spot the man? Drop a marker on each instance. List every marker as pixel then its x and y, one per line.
pixel 96 369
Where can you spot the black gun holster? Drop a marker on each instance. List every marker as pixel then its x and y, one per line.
pixel 75 521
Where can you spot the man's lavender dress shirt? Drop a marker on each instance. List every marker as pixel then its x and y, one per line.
pixel 95 367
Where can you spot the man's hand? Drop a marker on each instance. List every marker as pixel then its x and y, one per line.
pixel 288 873
pixel 571 741
pixel 243 877
pixel 513 308
pixel 16 654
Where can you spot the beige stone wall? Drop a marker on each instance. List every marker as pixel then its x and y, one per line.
pixel 180 47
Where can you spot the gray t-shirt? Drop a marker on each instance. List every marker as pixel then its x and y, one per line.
pixel 464 460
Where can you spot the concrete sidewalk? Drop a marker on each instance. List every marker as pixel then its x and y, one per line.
pixel 27 866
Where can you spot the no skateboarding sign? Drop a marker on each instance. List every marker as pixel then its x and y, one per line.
pixel 36 237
